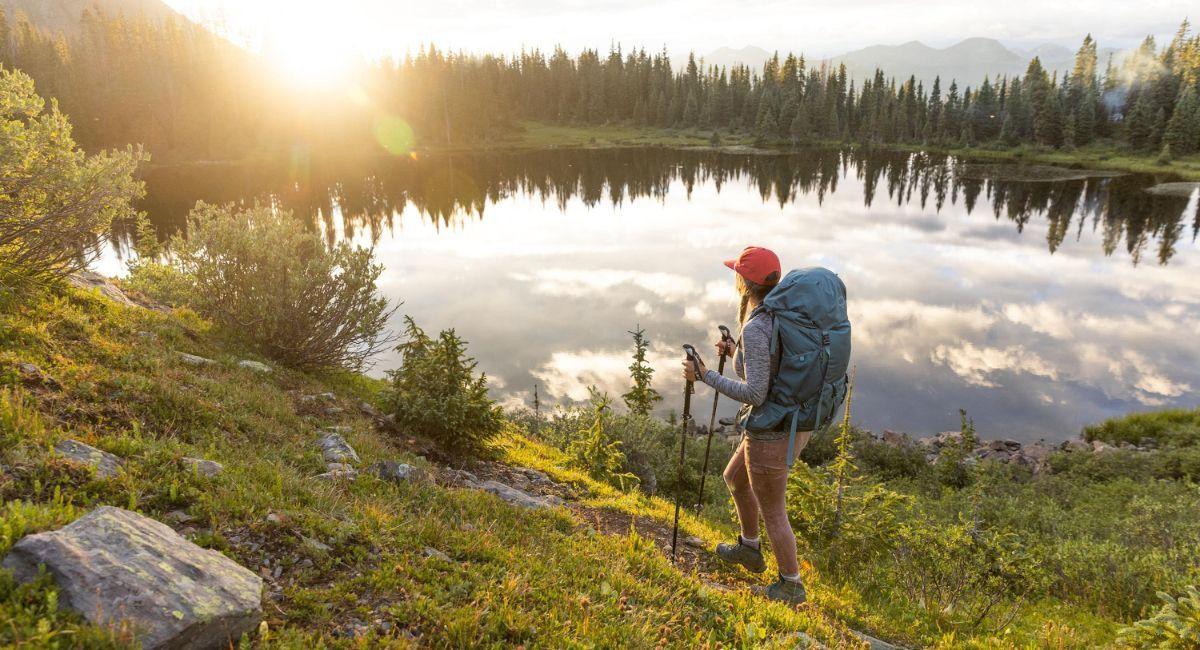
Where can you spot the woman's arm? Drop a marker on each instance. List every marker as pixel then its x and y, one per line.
pixel 756 353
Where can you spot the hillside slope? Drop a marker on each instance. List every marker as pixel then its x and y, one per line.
pixel 64 15
pixel 427 562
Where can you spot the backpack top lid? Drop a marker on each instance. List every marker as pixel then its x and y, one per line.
pixel 816 293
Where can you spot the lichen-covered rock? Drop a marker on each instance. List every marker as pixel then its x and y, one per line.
pixel 193 360
pixel 519 497
pixel 335 449
pixel 395 471
pixel 106 464
pixel 203 466
pixel 113 566
pixel 256 366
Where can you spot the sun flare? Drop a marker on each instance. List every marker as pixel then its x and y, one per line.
pixel 308 51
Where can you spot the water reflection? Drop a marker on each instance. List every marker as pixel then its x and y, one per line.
pixel 1020 301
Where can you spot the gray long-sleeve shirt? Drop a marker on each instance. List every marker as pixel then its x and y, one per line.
pixel 755 365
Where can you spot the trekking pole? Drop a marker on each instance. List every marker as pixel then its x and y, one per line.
pixel 712 419
pixel 688 389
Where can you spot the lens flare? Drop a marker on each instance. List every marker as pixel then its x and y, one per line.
pixel 394 135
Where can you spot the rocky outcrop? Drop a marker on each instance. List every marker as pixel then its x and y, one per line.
pixel 335 449
pixel 107 288
pixel 340 457
pixel 115 567
pixel 520 497
pixel 105 464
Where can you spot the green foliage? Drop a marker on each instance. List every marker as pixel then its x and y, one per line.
pixel 436 393
pixel 641 398
pixel 891 461
pixel 1175 627
pixel 952 466
pixel 56 202
pixel 847 532
pixel 259 274
pixel 1170 428
pixel 597 452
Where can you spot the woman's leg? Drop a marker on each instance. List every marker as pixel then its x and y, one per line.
pixel 737 479
pixel 768 473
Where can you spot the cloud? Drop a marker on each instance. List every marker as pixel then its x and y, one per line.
pixel 982 366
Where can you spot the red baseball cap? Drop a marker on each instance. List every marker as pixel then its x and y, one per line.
pixel 757 265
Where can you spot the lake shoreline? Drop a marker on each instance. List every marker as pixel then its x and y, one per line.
pixel 543 137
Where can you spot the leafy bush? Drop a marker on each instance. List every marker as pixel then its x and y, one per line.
pixel 1171 428
pixel 888 461
pixel 1175 626
pixel 259 274
pixel 436 393
pixel 56 203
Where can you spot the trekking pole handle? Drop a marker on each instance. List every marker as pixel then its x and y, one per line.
pixel 694 357
pixel 727 341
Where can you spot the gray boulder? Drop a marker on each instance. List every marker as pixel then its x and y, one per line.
pixel 202 466
pixel 114 566
pixel 335 449
pixel 519 497
pixel 106 464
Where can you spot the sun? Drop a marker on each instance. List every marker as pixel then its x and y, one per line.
pixel 309 51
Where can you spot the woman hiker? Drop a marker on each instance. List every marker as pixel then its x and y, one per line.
pixel 757 472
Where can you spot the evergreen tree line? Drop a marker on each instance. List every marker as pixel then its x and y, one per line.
pixel 181 90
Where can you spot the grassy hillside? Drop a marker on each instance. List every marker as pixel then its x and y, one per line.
pixel 346 561
pixel 434 563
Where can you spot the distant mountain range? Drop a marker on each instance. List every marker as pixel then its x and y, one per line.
pixel 63 15
pixel 968 61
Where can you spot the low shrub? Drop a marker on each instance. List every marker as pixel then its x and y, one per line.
pixel 260 275
pixel 436 393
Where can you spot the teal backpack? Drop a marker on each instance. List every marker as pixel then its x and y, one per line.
pixel 811 338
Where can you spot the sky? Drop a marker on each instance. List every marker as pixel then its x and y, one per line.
pixel 818 28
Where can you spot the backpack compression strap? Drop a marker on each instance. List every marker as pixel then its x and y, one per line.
pixel 791 450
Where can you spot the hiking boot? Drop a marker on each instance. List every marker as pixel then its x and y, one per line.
pixel 740 553
pixel 786 591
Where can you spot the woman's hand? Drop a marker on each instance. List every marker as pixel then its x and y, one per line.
pixel 725 349
pixel 689 370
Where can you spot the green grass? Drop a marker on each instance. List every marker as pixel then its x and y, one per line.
pixel 1169 428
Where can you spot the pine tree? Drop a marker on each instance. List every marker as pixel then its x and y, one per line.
pixel 641 397
pixel 800 128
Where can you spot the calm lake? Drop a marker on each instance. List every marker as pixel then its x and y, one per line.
pixel 1036 305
